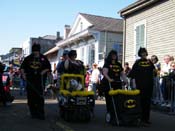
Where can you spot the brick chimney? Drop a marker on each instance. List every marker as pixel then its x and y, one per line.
pixel 58 35
pixel 66 31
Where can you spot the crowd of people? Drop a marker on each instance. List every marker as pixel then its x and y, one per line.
pixel 11 79
pixel 163 93
pixel 147 75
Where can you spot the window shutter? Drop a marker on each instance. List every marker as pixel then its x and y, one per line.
pixel 140 37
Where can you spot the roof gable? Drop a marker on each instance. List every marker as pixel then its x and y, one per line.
pixel 80 24
pixel 100 23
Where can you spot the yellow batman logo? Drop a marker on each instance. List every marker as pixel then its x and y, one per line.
pixel 144 63
pixel 116 70
pixel 115 66
pixel 130 103
pixel 35 65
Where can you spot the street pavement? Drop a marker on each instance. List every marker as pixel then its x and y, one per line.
pixel 16 118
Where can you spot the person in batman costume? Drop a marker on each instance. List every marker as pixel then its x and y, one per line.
pixel 34 69
pixel 142 73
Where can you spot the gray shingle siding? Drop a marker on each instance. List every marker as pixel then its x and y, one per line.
pixel 160 30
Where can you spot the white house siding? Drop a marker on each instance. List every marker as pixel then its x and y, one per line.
pixel 160 31
pixel 84 53
pixel 84 48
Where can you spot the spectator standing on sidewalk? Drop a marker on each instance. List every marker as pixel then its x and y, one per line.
pixel 94 78
pixel 164 78
pixel 2 91
pixel 127 69
pixel 157 94
pixel 87 79
pixel 6 86
pixel 172 70
pixel 34 69
pixel 22 85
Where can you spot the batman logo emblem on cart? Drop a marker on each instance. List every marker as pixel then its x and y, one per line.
pixel 130 103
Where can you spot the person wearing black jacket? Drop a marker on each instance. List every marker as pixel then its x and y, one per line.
pixel 34 70
pixel 142 73
pixel 72 65
pixel 113 73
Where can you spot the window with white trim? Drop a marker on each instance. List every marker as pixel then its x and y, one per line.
pixel 139 36
pixel 91 54
pixel 101 51
pixel 82 54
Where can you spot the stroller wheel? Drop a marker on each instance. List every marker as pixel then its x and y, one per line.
pixel 67 116
pixel 61 112
pixel 108 117
pixel 138 122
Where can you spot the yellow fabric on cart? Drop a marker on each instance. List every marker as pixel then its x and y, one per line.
pixel 76 93
pixel 124 92
pixel 82 93
pixel 65 92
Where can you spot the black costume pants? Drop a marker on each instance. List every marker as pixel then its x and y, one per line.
pixel 145 99
pixel 35 97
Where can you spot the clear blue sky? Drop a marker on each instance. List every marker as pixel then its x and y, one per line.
pixel 21 19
